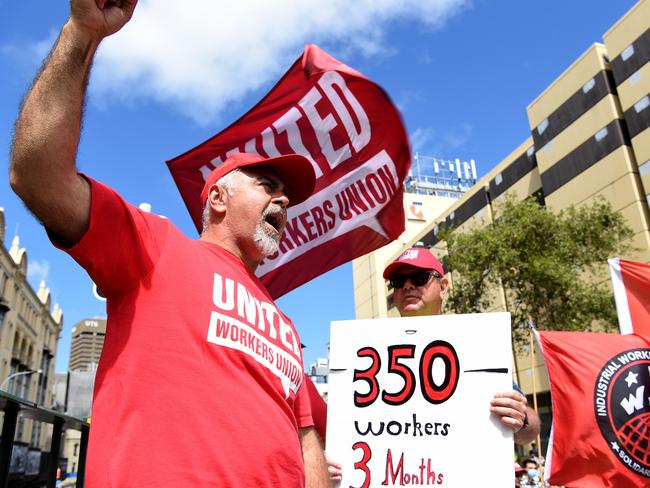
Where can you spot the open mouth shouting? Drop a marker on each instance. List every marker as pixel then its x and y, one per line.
pixel 275 217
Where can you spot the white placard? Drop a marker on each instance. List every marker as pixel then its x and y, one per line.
pixel 442 433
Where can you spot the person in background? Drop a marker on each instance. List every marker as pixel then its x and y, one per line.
pixel 419 289
pixel 532 476
pixel 520 472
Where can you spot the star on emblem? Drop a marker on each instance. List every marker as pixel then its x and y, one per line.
pixel 615 446
pixel 631 379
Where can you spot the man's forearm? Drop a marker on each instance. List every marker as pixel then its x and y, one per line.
pixel 316 475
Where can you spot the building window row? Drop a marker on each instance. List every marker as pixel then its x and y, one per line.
pixel 577 104
pixel 606 140
pixel 632 58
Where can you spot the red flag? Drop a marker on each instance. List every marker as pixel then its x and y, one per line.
pixel 631 284
pixel 600 388
pixel 353 135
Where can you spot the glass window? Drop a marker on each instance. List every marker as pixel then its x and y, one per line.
pixel 36 433
pixel 543 125
pixel 634 78
pixel 644 169
pixel 642 104
pixel 548 146
pixel 601 134
pixel 627 52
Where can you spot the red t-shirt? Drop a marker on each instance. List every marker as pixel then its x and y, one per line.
pixel 318 408
pixel 199 382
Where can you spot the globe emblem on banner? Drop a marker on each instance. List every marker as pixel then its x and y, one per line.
pixel 634 436
pixel 622 408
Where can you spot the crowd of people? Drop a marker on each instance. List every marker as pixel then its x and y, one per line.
pixel 529 471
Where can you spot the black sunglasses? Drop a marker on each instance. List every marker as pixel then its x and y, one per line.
pixel 418 278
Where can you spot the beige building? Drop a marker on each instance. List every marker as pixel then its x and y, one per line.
pixel 87 343
pixel 590 137
pixel 85 350
pixel 29 331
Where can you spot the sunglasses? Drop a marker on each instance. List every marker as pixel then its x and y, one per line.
pixel 418 278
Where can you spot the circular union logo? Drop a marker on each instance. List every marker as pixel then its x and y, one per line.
pixel 622 407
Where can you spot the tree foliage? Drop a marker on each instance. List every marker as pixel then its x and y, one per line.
pixel 551 265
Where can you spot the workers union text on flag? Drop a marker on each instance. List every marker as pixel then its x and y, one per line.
pixel 355 139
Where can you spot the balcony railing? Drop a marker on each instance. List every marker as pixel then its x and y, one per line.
pixel 12 406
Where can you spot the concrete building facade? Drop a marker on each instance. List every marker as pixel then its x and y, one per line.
pixel 29 330
pixel 87 343
pixel 76 387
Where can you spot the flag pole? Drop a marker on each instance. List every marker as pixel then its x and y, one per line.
pixel 512 336
pixel 531 326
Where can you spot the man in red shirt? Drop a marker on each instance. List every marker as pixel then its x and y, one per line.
pixel 201 378
pixel 420 287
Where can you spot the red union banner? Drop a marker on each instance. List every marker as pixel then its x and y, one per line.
pixel 631 284
pixel 601 409
pixel 355 139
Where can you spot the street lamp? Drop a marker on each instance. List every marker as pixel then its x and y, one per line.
pixel 20 373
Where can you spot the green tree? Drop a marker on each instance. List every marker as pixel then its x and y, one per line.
pixel 551 265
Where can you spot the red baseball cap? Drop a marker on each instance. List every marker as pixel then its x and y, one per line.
pixel 418 257
pixel 295 171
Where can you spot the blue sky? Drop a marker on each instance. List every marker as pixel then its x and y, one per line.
pixel 462 73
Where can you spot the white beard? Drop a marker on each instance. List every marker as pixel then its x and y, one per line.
pixel 266 243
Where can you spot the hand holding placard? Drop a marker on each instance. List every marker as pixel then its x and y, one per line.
pixel 407 395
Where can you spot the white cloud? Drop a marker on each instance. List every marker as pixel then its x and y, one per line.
pixel 408 97
pixel 457 137
pixel 32 54
pixel 426 57
pixel 202 56
pixel 446 144
pixel 422 139
pixel 38 270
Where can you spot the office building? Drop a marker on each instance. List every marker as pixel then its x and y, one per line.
pixel 85 350
pixel 87 343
